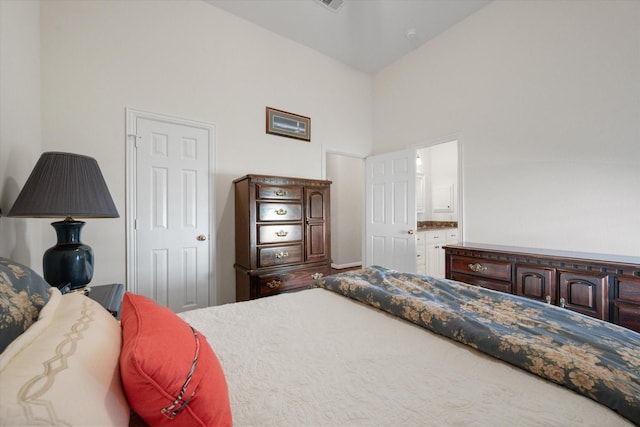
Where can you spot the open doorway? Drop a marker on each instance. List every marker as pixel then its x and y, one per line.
pixel 347 209
pixel 437 183
pixel 438 205
pixel 416 189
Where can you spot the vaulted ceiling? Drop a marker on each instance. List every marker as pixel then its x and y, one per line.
pixel 367 35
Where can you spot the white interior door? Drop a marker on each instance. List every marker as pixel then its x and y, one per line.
pixel 172 212
pixel 390 213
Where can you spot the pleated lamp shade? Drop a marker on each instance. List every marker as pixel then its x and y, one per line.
pixel 65 185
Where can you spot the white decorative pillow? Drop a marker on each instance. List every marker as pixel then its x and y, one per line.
pixel 64 369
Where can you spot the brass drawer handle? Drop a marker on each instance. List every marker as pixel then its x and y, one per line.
pixel 548 299
pixel 281 193
pixel 281 211
pixel 281 255
pixel 478 268
pixel 563 303
pixel 275 283
pixel 281 233
pixel 316 276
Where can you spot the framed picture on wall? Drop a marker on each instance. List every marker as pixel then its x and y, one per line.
pixel 288 124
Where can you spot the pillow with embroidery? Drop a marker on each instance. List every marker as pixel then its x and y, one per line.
pixel 23 293
pixel 63 370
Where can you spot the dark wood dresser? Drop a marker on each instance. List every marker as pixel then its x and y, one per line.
pixel 283 234
pixel 603 286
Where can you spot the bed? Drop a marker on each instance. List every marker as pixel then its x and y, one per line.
pixel 368 347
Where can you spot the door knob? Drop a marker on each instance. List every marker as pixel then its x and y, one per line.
pixel 201 237
pixel 410 231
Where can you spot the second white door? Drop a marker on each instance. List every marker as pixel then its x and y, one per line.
pixel 390 213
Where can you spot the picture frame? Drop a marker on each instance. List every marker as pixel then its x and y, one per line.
pixel 289 125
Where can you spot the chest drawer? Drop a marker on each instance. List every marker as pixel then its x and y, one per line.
pixel 279 255
pixel 500 270
pixel 292 279
pixel 279 233
pixel 278 192
pixel 279 211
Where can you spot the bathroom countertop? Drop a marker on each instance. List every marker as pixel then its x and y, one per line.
pixel 436 225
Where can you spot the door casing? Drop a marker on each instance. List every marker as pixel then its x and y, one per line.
pixel 132 115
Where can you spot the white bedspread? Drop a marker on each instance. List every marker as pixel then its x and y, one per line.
pixel 314 358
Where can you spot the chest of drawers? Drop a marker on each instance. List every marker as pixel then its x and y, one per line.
pixel 283 235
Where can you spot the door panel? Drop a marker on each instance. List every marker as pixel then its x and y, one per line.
pixel 172 213
pixel 391 210
pixel 585 293
pixel 317 200
pixel 536 283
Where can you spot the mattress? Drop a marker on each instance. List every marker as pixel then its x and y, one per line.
pixel 316 358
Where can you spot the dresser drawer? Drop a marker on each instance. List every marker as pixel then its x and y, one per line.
pixel 279 211
pixel 292 279
pixel 276 255
pixel 485 282
pixel 627 315
pixel 278 192
pixel 279 233
pixel 499 270
pixel 628 289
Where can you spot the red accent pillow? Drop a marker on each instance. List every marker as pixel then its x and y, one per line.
pixel 157 357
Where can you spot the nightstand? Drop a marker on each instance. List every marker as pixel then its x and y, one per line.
pixel 109 296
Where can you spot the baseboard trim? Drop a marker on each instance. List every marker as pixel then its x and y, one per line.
pixel 347 265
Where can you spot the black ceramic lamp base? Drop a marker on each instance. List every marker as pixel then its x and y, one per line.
pixel 69 262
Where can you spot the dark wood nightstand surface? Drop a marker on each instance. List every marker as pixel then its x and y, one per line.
pixel 109 296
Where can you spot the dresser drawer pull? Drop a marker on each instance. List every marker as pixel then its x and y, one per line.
pixel 281 255
pixel 548 299
pixel 563 302
pixel 316 276
pixel 275 283
pixel 281 193
pixel 281 211
pixel 281 233
pixel 478 268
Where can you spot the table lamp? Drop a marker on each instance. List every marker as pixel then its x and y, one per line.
pixel 66 185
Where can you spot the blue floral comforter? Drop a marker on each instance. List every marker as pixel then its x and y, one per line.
pixel 597 359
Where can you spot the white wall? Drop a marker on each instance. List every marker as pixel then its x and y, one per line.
pixel 545 99
pixel 188 59
pixel 20 144
pixel 347 208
